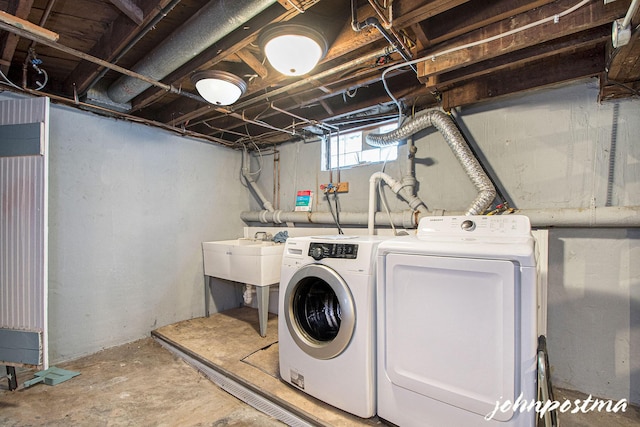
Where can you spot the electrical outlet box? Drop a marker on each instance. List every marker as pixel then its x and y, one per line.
pixel 340 187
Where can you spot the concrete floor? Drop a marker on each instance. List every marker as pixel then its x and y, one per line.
pixel 144 384
pixel 138 384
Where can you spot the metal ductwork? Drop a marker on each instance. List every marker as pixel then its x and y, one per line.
pixel 213 22
pixel 453 137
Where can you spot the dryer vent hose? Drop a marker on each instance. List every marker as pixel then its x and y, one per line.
pixel 445 125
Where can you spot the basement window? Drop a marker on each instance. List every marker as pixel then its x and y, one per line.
pixel 352 149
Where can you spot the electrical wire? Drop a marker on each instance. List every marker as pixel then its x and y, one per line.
pixel 9 82
pixel 555 18
pixel 335 200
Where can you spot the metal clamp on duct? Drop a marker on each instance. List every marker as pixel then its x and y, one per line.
pixel 445 125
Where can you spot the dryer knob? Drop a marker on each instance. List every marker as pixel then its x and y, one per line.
pixel 468 225
pixel 316 253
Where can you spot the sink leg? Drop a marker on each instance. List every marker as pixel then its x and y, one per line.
pixel 263 308
pixel 207 294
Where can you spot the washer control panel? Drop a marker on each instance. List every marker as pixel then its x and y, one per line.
pixel 318 250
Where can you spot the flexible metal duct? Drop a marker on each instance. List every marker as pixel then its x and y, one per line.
pixel 451 134
pixel 214 21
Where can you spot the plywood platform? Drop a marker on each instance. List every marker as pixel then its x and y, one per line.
pixel 229 342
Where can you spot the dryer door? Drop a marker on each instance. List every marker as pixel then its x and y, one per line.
pixel 319 311
pixel 450 329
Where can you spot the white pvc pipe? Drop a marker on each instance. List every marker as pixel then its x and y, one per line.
pixel 373 180
pixel 247 295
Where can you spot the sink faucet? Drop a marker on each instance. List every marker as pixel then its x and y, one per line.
pixel 263 235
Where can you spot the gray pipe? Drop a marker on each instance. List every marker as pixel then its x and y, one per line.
pixel 451 134
pixel 266 204
pixel 601 217
pixel 213 22
pixel 405 219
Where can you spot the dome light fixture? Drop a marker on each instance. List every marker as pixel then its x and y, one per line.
pixel 293 49
pixel 219 87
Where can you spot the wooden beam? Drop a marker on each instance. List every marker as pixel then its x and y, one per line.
pixel 422 40
pixel 34 29
pixel 253 62
pixel 473 15
pixel 548 71
pixel 624 62
pixel 563 46
pixel 591 15
pixel 130 9
pixel 121 32
pixel 9 41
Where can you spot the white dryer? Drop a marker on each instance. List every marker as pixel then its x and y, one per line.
pixel 457 323
pixel 327 318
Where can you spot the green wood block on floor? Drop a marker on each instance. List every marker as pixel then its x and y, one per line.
pixel 51 376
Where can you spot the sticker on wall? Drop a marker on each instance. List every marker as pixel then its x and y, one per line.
pixel 303 200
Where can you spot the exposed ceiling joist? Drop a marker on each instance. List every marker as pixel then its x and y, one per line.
pixel 103 39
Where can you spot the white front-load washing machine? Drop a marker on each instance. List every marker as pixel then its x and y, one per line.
pixel 327 318
pixel 456 307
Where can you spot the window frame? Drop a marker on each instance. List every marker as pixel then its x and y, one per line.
pixel 373 155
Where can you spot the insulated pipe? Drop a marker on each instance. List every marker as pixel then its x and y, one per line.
pixel 601 217
pixel 150 26
pixel 396 186
pixel 443 123
pixel 213 22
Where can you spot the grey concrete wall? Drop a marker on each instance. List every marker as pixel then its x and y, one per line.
pixel 550 149
pixel 129 206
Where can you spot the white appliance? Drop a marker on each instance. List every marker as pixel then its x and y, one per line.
pixel 457 323
pixel 326 323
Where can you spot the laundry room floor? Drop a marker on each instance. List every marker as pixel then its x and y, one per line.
pixel 144 384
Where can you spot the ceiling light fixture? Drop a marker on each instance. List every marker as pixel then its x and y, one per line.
pixel 219 87
pixel 293 49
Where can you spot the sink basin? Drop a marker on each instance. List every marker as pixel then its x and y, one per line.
pixel 251 261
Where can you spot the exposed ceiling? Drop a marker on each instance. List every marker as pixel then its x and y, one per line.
pixel 472 51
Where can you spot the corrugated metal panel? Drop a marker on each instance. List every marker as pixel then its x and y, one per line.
pixel 21 242
pixel 23 227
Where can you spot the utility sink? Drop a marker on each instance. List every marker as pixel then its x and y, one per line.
pixel 251 261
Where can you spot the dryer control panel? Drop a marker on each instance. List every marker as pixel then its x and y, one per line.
pixel 318 250
pixel 498 226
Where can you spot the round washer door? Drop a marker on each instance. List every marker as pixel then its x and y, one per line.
pixel 319 311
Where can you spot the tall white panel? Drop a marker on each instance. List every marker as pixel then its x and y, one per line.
pixel 23 228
